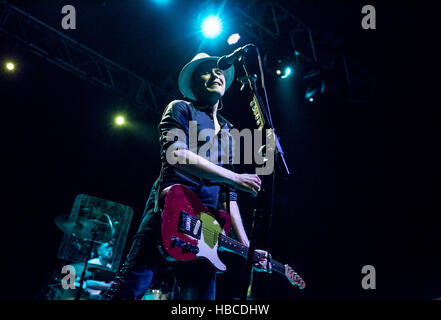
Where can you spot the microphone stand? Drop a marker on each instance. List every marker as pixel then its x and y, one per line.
pixel 265 201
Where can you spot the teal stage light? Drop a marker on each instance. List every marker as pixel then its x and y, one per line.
pixel 161 2
pixel 287 72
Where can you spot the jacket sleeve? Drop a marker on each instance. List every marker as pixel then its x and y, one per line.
pixel 174 127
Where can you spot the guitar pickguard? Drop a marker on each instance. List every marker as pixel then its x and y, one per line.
pixel 208 244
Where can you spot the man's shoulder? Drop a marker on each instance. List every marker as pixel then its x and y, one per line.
pixel 177 108
pixel 178 104
pixel 223 121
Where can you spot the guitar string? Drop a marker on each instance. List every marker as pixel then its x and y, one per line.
pixel 218 235
pixel 276 265
pixel 234 242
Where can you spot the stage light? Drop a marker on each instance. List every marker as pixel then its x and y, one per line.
pixel 287 72
pixel 211 26
pixel 10 66
pixel 279 72
pixel 315 88
pixel 119 120
pixel 233 38
pixel 160 2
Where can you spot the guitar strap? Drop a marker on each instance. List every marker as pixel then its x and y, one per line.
pixel 158 189
pixel 224 195
pixel 228 200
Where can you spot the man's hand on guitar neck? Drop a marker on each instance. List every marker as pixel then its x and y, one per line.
pixel 261 261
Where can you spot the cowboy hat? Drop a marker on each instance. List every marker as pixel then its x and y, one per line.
pixel 187 73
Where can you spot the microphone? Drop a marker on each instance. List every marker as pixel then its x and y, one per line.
pixel 227 61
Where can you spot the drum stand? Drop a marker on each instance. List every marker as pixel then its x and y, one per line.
pixel 88 257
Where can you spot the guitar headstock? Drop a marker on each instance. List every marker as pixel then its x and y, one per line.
pixel 293 277
pixel 257 112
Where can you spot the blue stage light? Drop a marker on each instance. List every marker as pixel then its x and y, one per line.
pixel 287 73
pixel 161 1
pixel 211 26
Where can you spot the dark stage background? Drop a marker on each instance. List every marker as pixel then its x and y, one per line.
pixel 365 182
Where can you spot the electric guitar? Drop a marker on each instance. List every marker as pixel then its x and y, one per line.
pixel 189 231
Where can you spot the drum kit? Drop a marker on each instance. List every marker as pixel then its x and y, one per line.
pixel 84 228
pixel 91 231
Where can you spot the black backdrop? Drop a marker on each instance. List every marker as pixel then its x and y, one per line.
pixel 365 179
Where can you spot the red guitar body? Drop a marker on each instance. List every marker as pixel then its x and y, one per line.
pixel 183 236
pixel 190 231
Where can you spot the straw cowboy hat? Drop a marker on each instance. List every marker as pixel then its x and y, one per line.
pixel 189 68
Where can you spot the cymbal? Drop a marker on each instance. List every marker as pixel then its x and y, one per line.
pixel 83 227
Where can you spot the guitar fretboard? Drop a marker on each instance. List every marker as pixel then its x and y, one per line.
pixel 241 249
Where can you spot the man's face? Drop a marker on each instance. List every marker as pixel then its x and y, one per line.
pixel 106 251
pixel 208 82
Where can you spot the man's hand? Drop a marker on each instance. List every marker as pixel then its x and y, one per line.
pixel 196 165
pixel 248 182
pixel 260 261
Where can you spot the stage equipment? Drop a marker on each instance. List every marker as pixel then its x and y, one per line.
pixel 93 221
pixel 265 200
pixel 120 120
pixel 9 66
pixel 314 89
pixel 76 58
pixel 190 231
pixel 211 26
pixel 234 38
pixel 226 61
pixel 109 220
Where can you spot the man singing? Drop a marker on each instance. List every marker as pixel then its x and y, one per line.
pixel 210 177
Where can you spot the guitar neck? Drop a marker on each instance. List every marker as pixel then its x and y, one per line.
pixel 242 250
